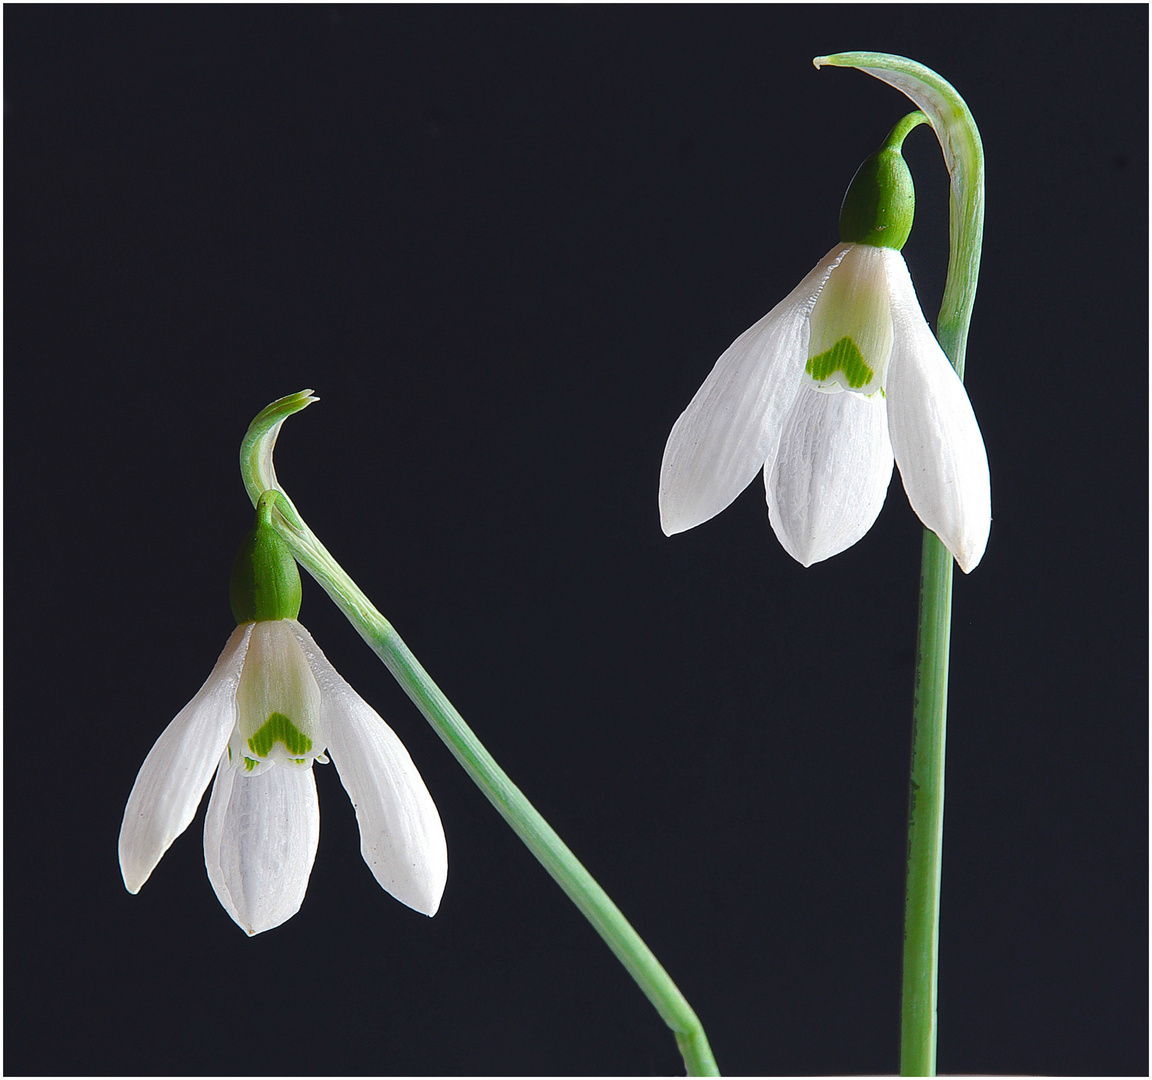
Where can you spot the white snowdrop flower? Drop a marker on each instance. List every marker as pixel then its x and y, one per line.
pixel 271 707
pixel 840 378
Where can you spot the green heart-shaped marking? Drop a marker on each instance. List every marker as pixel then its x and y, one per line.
pixel 278 728
pixel 844 356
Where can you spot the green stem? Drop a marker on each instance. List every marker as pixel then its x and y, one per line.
pixel 259 476
pixel 926 813
pixel 963 154
pixel 902 128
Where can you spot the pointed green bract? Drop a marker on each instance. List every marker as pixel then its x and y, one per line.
pixel 843 356
pixel 278 728
pixel 265 580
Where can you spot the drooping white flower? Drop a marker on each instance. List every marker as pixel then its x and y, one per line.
pixel 271 707
pixel 839 378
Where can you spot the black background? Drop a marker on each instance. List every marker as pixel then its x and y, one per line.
pixel 505 246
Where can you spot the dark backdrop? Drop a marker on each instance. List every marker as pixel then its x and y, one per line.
pixel 505 245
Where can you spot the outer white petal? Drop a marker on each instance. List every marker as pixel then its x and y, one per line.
pixel 732 426
pixel 934 432
pixel 831 474
pixel 176 771
pixel 260 839
pixel 401 837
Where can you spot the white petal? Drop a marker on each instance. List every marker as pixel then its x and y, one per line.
pixel 401 837
pixel 176 771
pixel 732 426
pixel 260 839
pixel 831 475
pixel 934 432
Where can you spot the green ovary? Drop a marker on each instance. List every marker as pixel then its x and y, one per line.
pixel 278 728
pixel 844 356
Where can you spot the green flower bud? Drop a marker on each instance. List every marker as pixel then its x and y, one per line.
pixel 881 200
pixel 265 580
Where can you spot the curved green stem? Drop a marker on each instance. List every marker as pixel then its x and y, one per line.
pixel 902 127
pixel 260 476
pixel 963 154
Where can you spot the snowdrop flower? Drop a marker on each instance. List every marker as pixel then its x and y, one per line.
pixel 271 707
pixel 839 378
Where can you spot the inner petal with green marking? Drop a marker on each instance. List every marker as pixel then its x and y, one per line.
pixel 851 325
pixel 277 703
pixel 278 728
